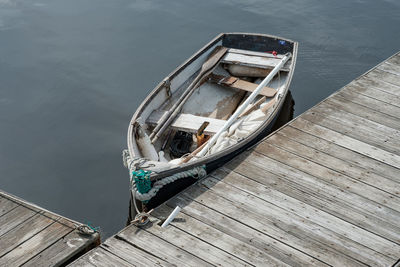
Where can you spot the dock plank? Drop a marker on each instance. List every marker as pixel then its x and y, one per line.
pixel 101 258
pixel 23 232
pixel 390 67
pixel 353 248
pixel 164 249
pixel 13 218
pixel 395 59
pixel 6 205
pixel 341 166
pixel 321 194
pixel 379 74
pixel 334 177
pixel 378 84
pixel 218 239
pixel 34 245
pixel 33 236
pixel 375 93
pixel 63 250
pixel 347 142
pixel 345 154
pixel 242 231
pixel 370 102
pixel 273 220
pixel 354 127
pixel 343 104
pixel 305 216
pixel 196 246
pixel 132 254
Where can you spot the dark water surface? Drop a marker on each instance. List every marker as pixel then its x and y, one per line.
pixel 72 72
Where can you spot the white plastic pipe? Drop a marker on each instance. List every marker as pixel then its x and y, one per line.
pixel 171 216
pixel 253 95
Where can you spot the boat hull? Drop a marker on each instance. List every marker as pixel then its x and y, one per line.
pixel 244 41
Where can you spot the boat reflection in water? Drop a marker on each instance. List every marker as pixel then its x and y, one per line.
pixel 285 115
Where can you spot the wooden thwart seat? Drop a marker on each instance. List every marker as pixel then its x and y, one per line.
pixel 237 83
pixel 254 59
pixel 188 122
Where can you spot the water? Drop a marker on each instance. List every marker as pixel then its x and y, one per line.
pixel 73 72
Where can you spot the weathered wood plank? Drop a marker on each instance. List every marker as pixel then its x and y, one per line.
pixel 395 59
pixel 354 127
pixel 34 245
pixel 163 249
pixel 218 239
pixel 378 84
pixel 305 216
pixel 33 236
pixel 273 221
pixel 188 122
pixel 347 142
pixel 340 103
pixel 264 62
pixel 388 77
pixel 371 103
pixel 374 93
pixel 132 254
pixel 251 236
pixel 64 250
pixel 30 206
pixel 6 205
pixel 391 68
pixel 352 248
pixel 23 232
pixel 100 257
pixel 196 246
pixel 317 193
pixel 16 216
pixel 359 123
pixel 254 53
pixel 353 171
pixel 354 158
pixel 388 204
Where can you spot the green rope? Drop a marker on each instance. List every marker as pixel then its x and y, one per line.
pixel 142 180
pixel 96 229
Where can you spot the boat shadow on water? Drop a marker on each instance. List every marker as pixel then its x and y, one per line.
pixel 172 189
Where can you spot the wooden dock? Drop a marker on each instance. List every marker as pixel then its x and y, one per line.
pixel 32 236
pixel 323 190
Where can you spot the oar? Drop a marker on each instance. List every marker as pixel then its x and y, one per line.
pixel 253 95
pixel 166 119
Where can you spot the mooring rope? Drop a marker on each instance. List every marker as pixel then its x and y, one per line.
pixel 135 164
pixel 197 172
pixel 86 229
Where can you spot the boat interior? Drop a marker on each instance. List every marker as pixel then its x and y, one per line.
pixel 217 93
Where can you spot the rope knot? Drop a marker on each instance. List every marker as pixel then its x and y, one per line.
pixel 86 229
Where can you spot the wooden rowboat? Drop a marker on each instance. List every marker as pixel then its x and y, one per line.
pixel 219 102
